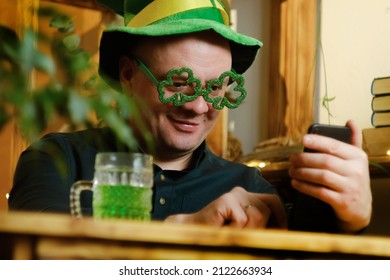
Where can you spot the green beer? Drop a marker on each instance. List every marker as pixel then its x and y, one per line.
pixel 122 201
pixel 122 187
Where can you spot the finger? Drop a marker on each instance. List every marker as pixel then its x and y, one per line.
pixel 318 161
pixel 278 216
pixel 329 145
pixel 231 209
pixel 238 217
pixel 320 192
pixel 357 138
pixel 256 213
pixel 258 216
pixel 269 206
pixel 320 176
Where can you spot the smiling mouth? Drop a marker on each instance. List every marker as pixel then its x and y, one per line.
pixel 186 122
pixel 184 125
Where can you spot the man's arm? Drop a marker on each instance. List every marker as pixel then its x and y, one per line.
pixel 241 209
pixel 40 182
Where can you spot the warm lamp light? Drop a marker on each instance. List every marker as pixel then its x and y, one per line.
pixel 388 152
pixel 257 163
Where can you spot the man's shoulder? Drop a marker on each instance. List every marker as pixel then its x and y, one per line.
pixel 79 135
pixel 99 138
pixel 226 163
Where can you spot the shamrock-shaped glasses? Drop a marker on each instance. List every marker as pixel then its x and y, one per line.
pixel 181 86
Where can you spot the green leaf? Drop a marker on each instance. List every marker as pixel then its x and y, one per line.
pixel 329 99
pixel 43 63
pixel 78 108
pixel 71 42
pixel 49 102
pixel 90 83
pixel 62 22
pixel 325 103
pixel 79 62
pixel 27 52
pixel 28 122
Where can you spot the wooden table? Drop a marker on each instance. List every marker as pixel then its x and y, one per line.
pixel 53 236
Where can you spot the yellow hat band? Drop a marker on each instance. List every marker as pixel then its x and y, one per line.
pixel 160 9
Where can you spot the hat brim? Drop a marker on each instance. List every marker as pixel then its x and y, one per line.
pixel 117 41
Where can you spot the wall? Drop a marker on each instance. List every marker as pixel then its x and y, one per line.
pixel 355 36
pixel 356 44
pixel 248 121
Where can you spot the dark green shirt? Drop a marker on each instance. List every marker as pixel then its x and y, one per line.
pixel 47 169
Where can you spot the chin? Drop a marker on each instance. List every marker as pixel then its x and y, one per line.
pixel 184 145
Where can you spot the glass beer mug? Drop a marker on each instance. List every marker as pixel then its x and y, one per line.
pixel 122 187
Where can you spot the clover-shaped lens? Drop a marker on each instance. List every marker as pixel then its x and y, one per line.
pixel 179 87
pixel 220 95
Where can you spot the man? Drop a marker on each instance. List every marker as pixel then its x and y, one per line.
pixel 176 59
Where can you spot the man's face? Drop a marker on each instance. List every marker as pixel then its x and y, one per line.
pixel 177 130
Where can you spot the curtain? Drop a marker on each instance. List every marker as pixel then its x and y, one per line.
pixel 292 67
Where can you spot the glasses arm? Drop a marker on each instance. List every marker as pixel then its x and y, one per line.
pixel 145 69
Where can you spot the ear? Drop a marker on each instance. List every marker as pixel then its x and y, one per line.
pixel 126 70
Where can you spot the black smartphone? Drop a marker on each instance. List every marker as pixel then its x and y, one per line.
pixel 341 133
pixel 307 211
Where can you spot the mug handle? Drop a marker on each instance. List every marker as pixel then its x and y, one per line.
pixel 75 191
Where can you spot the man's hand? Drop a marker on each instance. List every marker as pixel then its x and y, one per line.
pixel 241 209
pixel 338 175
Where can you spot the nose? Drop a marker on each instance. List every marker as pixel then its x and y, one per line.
pixel 199 105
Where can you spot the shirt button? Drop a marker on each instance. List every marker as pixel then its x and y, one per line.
pixel 162 177
pixel 162 201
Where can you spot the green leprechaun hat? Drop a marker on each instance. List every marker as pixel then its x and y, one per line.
pixel 170 17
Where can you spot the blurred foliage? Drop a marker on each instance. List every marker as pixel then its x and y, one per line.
pixel 79 96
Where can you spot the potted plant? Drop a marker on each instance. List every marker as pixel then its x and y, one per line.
pixel 76 100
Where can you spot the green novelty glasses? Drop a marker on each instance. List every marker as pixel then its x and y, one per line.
pixel 181 86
